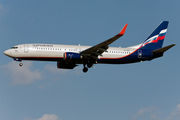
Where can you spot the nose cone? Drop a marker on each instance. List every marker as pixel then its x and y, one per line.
pixel 7 53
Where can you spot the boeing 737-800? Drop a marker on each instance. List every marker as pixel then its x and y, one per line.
pixel 69 56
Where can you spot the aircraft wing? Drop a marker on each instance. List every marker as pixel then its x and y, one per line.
pixel 98 49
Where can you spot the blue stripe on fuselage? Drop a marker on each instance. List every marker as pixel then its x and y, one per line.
pixel 131 58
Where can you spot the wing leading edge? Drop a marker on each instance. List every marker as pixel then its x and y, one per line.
pixel 95 51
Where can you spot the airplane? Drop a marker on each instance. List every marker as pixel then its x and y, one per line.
pixel 70 56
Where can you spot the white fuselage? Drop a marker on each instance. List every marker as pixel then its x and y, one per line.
pixel 54 52
pixel 68 56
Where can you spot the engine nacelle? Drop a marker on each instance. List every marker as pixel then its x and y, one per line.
pixel 64 65
pixel 72 56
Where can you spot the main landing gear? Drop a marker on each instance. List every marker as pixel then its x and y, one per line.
pixel 85 69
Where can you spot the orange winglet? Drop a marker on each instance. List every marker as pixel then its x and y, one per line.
pixel 123 30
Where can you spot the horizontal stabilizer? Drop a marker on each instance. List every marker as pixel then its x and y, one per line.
pixel 159 52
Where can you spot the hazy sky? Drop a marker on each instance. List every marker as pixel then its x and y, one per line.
pixel 40 91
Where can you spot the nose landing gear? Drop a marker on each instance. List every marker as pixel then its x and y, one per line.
pixel 20 64
pixel 17 59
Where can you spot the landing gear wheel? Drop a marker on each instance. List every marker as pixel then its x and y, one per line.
pixel 85 69
pixel 20 64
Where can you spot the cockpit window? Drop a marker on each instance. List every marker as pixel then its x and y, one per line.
pixel 14 47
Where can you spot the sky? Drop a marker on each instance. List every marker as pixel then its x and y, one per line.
pixel 39 91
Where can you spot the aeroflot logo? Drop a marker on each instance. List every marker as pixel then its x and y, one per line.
pixel 42 45
pixel 156 38
pixel 150 40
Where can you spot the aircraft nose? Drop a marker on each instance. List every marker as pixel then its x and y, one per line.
pixel 6 52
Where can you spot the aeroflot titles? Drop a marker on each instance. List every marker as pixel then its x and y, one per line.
pixel 39 45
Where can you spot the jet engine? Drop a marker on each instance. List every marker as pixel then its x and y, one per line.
pixel 64 65
pixel 72 56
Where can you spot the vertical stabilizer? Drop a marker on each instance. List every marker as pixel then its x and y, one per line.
pixel 156 39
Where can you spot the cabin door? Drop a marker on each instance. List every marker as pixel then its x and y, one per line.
pixel 26 48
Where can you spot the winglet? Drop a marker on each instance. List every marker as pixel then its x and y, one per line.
pixel 123 30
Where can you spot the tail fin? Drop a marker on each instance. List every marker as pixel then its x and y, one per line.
pixel 156 39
